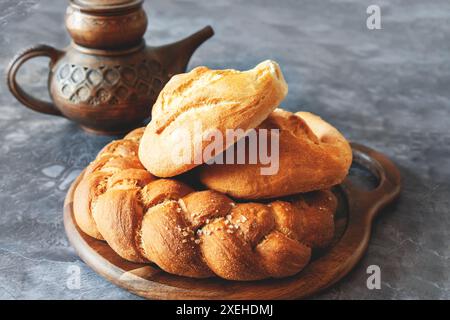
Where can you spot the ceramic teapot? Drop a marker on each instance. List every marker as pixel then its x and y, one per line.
pixel 107 79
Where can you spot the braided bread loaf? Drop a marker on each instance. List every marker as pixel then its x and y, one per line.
pixel 196 233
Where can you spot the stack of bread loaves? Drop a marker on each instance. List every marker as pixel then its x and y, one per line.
pixel 228 220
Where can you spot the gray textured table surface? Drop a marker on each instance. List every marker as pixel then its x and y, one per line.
pixel 388 89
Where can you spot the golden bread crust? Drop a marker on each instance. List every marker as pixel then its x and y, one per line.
pixel 210 99
pixel 313 155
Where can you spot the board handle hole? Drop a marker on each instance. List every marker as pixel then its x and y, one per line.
pixel 363 178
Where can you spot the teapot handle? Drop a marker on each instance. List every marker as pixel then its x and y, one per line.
pixel 20 94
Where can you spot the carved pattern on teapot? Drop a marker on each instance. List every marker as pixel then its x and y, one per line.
pixel 110 84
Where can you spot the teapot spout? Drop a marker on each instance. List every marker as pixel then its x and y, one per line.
pixel 177 55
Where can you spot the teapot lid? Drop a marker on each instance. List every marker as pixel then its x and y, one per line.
pixel 105 6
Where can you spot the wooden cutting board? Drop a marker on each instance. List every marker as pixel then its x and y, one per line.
pixel 357 208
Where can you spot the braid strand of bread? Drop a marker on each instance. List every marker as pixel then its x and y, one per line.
pixel 192 233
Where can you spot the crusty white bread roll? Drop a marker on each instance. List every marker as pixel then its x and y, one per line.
pixel 313 155
pixel 207 100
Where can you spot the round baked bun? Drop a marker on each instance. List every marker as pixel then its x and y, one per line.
pixel 202 101
pixel 313 155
